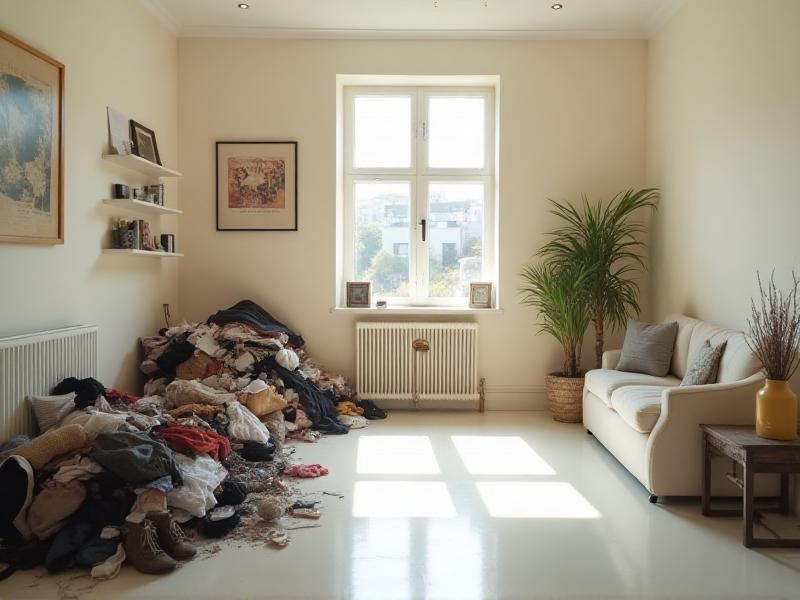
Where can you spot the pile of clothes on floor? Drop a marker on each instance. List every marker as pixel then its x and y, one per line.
pixel 115 477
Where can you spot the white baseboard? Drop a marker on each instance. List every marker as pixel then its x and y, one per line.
pixel 516 397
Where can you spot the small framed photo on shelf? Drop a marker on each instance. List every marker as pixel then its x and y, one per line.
pixel 480 294
pixel 144 142
pixel 358 294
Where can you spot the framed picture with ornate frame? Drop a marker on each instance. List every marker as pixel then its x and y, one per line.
pixel 256 186
pixel 32 156
pixel 144 142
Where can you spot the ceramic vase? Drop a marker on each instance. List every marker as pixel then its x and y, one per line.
pixel 776 411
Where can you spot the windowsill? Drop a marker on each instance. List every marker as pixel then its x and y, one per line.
pixel 418 310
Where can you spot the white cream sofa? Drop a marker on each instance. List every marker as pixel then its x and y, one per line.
pixel 651 425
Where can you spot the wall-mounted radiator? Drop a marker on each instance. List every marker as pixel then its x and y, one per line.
pixel 32 364
pixel 425 365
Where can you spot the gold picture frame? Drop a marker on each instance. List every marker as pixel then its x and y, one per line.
pixel 32 187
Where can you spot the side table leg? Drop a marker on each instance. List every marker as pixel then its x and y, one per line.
pixel 748 511
pixel 706 498
pixel 784 501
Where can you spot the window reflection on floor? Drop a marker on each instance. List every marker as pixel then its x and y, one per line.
pixel 396 454
pixel 499 455
pixel 381 558
pixel 534 500
pixel 388 499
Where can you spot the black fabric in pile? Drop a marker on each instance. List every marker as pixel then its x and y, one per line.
pixel 86 390
pixel 135 458
pixel 318 405
pixel 247 311
pixel 257 451
pixel 233 493
pixel 178 351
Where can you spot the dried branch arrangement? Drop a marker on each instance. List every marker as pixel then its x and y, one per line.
pixel 775 329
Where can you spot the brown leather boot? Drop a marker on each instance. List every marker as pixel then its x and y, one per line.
pixel 143 550
pixel 171 536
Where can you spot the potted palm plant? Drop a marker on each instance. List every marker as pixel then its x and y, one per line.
pixel 605 240
pixel 556 291
pixel 775 339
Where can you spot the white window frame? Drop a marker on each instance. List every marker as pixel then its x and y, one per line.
pixel 419 176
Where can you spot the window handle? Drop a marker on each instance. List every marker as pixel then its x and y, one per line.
pixel 424 224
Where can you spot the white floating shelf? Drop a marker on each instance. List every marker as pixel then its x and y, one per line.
pixel 152 253
pixel 141 206
pixel 140 165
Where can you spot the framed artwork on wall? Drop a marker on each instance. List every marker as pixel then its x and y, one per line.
pixel 144 142
pixel 31 145
pixel 256 186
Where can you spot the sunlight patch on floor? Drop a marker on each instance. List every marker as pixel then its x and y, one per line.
pixel 535 500
pixel 499 455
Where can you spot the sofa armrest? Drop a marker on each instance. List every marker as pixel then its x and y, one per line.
pixel 611 358
pixel 675 444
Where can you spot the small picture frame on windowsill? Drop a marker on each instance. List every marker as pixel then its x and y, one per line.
pixel 480 294
pixel 358 294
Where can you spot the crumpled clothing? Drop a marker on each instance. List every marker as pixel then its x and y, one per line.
pixel 124 397
pixel 163 484
pixel 349 408
pixel 244 425
pixel 305 471
pixel 304 435
pixel 205 411
pixel 53 505
pixel 156 387
pixel 86 390
pixel 191 440
pixel 181 392
pixel 276 425
pixel 288 359
pixel 199 366
pixel 263 402
pixel 95 422
pixel 300 421
pixel 243 333
pixel 201 476
pixel 82 468
pixel 111 566
pixel 203 338
pixel 56 442
pixel 148 500
pixel 353 421
pixel 135 457
pixel 257 451
pixel 177 351
pixel 95 552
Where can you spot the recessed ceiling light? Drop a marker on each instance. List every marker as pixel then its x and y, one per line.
pixel 555 6
pixel 243 6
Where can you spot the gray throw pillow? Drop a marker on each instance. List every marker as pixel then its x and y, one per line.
pixel 648 348
pixel 705 365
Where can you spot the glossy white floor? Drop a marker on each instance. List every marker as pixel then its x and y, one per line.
pixel 468 506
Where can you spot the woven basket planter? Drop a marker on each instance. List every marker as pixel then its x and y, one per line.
pixel 565 395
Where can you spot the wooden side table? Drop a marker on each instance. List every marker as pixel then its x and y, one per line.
pixel 756 455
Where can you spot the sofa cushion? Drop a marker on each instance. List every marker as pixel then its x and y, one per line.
pixel 705 366
pixel 648 348
pixel 737 362
pixel 680 356
pixel 603 382
pixel 638 405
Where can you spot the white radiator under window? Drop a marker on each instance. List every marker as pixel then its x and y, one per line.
pixel 31 365
pixel 389 369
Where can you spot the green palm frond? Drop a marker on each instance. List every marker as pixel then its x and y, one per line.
pixel 604 240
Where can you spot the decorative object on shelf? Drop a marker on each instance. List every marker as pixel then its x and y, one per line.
pixel 358 294
pixel 775 339
pixel 155 193
pixel 381 304
pixel 144 142
pixel 32 139
pixel 256 186
pixel 168 242
pixel 480 294
pixel 119 132
pixel 556 291
pixel 605 240
pixel 120 191
pixel 124 234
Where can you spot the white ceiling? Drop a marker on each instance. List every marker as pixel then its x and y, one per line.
pixel 520 19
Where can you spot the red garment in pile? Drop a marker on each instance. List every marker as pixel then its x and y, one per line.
pixel 112 395
pixel 191 440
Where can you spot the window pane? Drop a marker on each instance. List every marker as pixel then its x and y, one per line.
pixel 382 132
pixel 455 238
pixel 456 133
pixel 382 212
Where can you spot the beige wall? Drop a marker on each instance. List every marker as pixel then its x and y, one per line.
pixel 724 146
pixel 115 54
pixel 571 120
